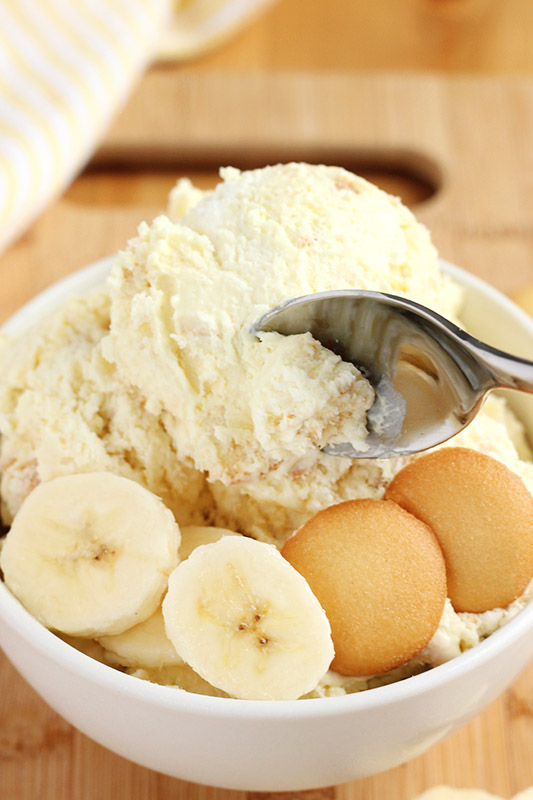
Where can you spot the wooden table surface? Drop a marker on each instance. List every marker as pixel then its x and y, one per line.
pixel 456 148
pixel 482 36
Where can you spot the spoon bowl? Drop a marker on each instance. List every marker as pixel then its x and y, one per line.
pixel 429 376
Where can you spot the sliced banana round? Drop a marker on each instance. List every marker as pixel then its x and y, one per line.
pixel 145 646
pixel 90 554
pixel 192 536
pixel 246 621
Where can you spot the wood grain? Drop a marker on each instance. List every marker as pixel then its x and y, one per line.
pixel 481 36
pixel 467 140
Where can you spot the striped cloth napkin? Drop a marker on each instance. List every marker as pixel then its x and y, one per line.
pixel 66 66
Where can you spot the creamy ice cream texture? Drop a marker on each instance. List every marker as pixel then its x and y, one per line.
pixel 186 293
pixel 157 377
pixel 64 409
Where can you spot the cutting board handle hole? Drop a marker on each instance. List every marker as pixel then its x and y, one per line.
pixel 414 177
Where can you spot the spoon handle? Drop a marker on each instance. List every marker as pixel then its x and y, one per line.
pixel 508 371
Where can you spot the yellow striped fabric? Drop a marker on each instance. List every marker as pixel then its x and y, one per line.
pixel 66 67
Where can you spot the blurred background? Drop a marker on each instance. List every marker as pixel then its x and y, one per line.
pixel 190 68
pixel 430 99
pixel 447 37
pixel 483 36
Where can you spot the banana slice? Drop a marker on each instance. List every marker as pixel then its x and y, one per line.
pixel 192 536
pixel 247 622
pixel 90 554
pixel 145 646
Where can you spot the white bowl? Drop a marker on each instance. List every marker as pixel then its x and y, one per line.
pixel 274 745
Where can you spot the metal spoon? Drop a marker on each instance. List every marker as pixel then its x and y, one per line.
pixel 429 376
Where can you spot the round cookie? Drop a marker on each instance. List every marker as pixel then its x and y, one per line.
pixel 379 574
pixel 482 515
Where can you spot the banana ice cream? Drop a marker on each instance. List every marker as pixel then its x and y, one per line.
pixel 156 377
pixel 253 415
pixel 185 295
pixel 65 410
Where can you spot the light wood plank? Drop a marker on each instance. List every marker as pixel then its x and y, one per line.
pixel 482 36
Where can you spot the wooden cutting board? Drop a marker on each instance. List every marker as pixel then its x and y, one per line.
pixel 459 151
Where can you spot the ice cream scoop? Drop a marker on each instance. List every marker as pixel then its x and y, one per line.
pixel 429 376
